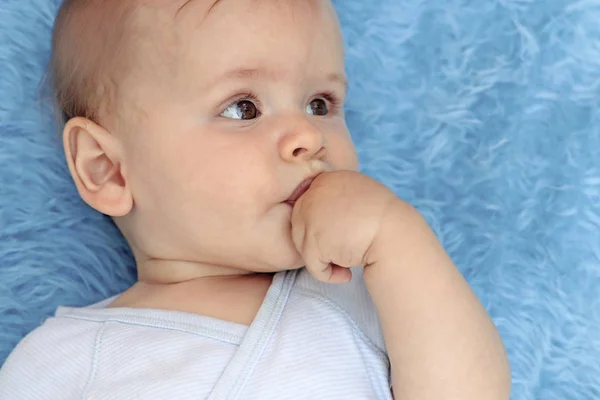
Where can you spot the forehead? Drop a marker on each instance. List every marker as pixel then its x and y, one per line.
pixel 205 12
pixel 280 36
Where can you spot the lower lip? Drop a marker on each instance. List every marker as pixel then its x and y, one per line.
pixel 306 187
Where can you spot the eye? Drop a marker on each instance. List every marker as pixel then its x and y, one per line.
pixel 317 107
pixel 241 110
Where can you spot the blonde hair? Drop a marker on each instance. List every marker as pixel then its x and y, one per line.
pixel 91 45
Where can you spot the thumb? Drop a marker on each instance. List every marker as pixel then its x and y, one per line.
pixel 298 230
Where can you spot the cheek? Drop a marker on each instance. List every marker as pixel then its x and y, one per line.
pixel 342 151
pixel 167 173
pixel 224 175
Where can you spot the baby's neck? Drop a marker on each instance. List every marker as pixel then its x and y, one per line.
pixel 154 271
pixel 223 293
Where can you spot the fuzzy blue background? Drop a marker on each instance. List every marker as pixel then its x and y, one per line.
pixel 482 113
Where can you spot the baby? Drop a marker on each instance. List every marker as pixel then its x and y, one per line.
pixel 213 133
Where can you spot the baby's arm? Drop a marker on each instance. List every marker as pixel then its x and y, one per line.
pixel 440 340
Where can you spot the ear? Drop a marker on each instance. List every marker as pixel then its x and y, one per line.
pixel 94 157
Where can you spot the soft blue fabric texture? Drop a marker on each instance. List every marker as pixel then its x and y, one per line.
pixel 482 113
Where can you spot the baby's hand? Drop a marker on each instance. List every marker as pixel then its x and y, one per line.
pixel 336 221
pixel 440 341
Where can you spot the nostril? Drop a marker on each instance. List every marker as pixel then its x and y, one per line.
pixel 298 151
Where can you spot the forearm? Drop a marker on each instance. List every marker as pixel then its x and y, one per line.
pixel 440 340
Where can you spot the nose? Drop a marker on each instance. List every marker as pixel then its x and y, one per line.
pixel 301 141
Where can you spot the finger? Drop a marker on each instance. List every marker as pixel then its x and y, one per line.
pixel 322 271
pixel 339 274
pixel 319 270
pixel 328 272
pixel 298 230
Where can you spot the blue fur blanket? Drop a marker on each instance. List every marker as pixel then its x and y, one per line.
pixel 482 113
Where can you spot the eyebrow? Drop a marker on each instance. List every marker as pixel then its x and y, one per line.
pixel 251 73
pixel 338 78
pixel 186 3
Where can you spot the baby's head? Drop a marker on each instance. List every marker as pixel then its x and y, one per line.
pixel 192 122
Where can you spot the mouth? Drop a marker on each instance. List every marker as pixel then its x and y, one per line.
pixel 300 190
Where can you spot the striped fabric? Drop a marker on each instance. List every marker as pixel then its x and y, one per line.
pixel 308 341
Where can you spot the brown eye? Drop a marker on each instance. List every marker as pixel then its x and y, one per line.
pixel 317 107
pixel 242 110
pixel 247 110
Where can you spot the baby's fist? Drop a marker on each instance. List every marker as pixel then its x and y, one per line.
pixel 336 221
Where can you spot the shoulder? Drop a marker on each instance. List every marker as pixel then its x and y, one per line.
pixel 53 361
pixel 351 299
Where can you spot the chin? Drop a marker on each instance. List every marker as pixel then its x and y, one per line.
pixel 285 263
pixel 274 251
pixel 290 269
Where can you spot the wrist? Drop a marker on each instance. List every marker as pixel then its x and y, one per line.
pixel 402 235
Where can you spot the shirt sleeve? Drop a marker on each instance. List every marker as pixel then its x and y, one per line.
pixel 52 362
pixel 352 298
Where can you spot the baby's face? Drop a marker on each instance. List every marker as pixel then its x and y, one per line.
pixel 233 110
